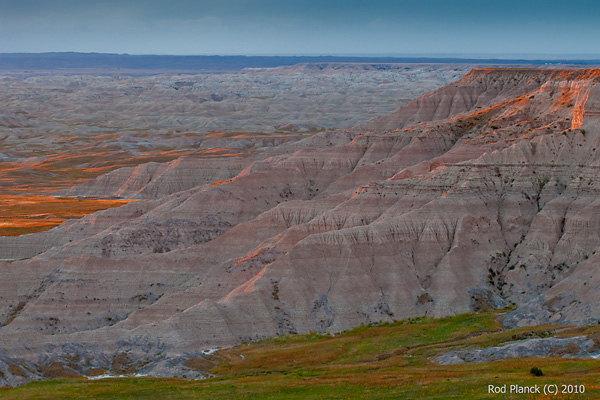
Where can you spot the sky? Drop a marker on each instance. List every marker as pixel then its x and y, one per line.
pixel 303 27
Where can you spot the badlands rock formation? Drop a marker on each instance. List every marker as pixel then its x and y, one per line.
pixel 479 194
pixel 56 129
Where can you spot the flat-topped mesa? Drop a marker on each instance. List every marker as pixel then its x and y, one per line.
pixel 486 87
pixel 512 76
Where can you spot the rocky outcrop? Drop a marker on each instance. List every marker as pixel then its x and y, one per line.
pixel 489 202
pixel 478 89
pixel 575 347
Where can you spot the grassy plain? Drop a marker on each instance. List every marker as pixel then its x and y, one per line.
pixel 21 214
pixel 389 361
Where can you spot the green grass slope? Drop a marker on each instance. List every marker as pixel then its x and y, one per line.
pixel 389 361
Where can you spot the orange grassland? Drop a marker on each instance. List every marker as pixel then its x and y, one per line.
pixel 21 214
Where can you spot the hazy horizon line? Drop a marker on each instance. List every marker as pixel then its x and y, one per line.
pixel 482 56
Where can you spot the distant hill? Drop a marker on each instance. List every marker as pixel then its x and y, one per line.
pixel 152 63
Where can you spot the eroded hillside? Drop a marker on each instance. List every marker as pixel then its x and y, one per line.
pixel 56 130
pixel 471 197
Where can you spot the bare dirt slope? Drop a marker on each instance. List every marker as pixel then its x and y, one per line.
pixel 481 193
